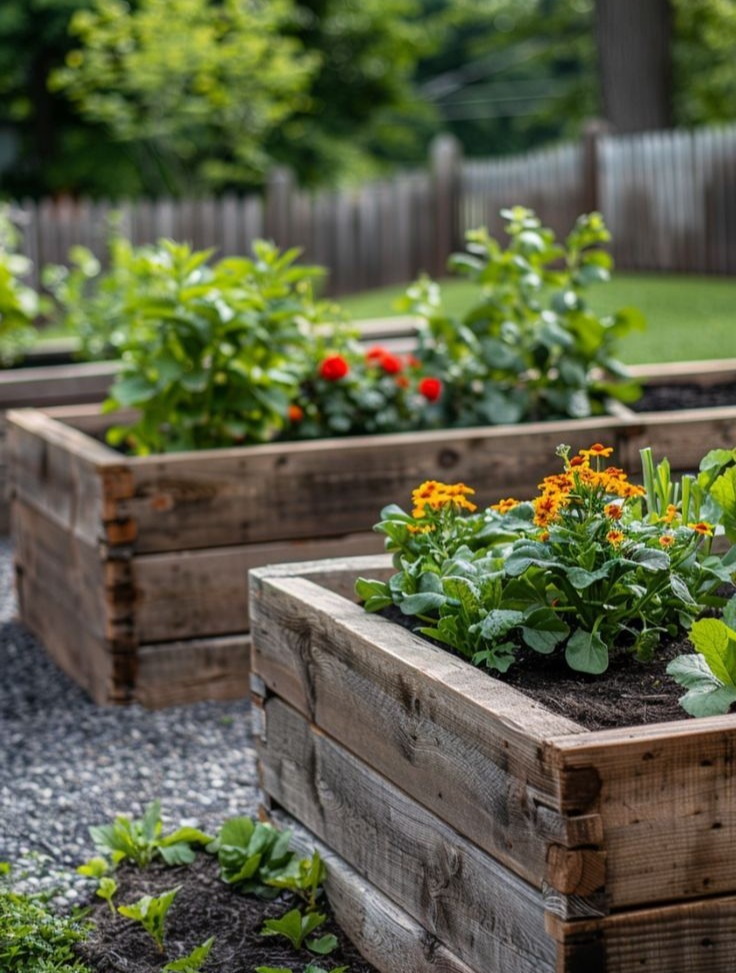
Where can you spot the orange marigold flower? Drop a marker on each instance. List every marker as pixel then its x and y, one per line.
pixel 333 368
pixel 435 495
pixel 666 540
pixel 702 528
pixel 597 450
pixel 503 506
pixel 543 536
pixel 577 461
pixel 402 381
pixel 613 511
pixel 615 537
pixel 670 514
pixel 414 529
pixel 295 413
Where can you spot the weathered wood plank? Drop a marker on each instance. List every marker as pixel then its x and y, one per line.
pixel 667 804
pixel 71 478
pixel 692 937
pixel 464 745
pixel 385 935
pixel 712 371
pixel 474 906
pixel 56 384
pixel 328 487
pixel 684 437
pixel 179 673
pixel 190 594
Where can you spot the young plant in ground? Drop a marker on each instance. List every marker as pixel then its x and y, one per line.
pixel 304 877
pixel 297 926
pixel 106 890
pixel 19 304
pixel 192 962
pixel 140 841
pixel 530 348
pixel 253 856
pixel 32 938
pixel 582 569
pixel 709 675
pixel 151 913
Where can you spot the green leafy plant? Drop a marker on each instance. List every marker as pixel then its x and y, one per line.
pixel 254 857
pixel 19 304
pixel 151 913
pixel 213 354
pixel 584 569
pixel 297 926
pixel 530 348
pixel 709 675
pixel 192 962
pixel 106 890
pixel 141 841
pixel 33 939
pixel 304 877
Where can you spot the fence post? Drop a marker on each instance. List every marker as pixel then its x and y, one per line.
pixel 594 129
pixel 277 216
pixel 445 165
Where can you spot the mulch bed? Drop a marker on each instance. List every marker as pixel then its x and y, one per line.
pixel 685 395
pixel 205 906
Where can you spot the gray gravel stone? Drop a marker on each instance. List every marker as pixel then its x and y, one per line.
pixel 66 764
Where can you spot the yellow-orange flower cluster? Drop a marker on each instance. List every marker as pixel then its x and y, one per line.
pixel 556 490
pixel 436 495
pixel 503 506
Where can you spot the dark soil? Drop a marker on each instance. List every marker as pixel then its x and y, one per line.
pixel 629 693
pixel 685 395
pixel 205 906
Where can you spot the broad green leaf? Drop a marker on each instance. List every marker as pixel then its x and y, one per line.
pixel 716 642
pixel 706 695
pixel 422 602
pixel 586 652
pixel 500 621
pixel 192 962
pixel 543 629
pixel 324 945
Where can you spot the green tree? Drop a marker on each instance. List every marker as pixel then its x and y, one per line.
pixel 362 109
pixel 196 87
pixel 704 63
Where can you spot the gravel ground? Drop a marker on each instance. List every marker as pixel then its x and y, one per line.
pixel 66 764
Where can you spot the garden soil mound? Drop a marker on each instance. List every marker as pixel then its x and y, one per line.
pixel 205 906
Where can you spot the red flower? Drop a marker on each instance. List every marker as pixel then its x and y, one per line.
pixel 375 353
pixel 296 413
pixel 391 364
pixel 334 368
pixel 430 388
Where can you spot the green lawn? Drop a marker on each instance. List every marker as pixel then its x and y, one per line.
pixel 688 317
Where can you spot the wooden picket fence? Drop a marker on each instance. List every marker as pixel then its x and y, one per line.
pixel 668 197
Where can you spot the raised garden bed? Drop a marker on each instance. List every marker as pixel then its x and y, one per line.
pixel 130 569
pixel 510 837
pixel 47 378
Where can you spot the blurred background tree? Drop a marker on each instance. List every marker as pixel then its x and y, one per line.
pixel 115 98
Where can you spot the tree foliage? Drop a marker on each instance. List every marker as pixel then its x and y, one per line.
pixel 196 86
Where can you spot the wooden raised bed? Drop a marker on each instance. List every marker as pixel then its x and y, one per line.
pixel 131 570
pixel 494 835
pixel 55 382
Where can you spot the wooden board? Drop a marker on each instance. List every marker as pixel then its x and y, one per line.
pixel 479 910
pixel 466 746
pixel 181 673
pixel 385 935
pixel 191 594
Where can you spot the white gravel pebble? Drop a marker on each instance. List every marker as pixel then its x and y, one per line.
pixel 66 764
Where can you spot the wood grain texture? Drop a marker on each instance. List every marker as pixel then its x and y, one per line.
pixel 190 594
pixel 52 385
pixel 479 910
pixel 386 935
pixel 667 804
pixel 464 745
pixel 180 673
pixel 329 487
pixel 692 937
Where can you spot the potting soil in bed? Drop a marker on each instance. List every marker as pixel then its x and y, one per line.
pixel 685 395
pixel 66 764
